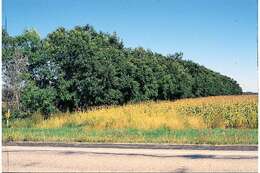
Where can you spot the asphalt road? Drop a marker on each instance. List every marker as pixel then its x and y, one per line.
pixel 77 159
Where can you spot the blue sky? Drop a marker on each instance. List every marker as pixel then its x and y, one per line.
pixel 219 34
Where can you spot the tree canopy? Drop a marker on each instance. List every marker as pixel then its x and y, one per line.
pixel 78 68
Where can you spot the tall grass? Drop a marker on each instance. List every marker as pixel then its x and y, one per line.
pixel 145 116
pixel 199 113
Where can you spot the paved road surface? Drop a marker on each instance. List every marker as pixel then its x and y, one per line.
pixel 73 159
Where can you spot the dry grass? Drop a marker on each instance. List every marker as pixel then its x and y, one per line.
pixel 149 115
pixel 199 113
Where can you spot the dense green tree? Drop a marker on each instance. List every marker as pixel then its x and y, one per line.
pixel 35 99
pixel 78 68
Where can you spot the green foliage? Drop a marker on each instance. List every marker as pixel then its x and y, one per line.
pixel 161 135
pixel 35 99
pixel 210 83
pixel 81 67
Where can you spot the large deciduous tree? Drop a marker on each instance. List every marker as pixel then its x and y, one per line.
pixel 79 68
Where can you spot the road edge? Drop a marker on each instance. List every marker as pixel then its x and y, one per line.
pixel 135 145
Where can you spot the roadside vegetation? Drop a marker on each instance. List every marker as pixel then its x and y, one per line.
pixel 213 120
pixel 161 135
pixel 84 85
pixel 77 69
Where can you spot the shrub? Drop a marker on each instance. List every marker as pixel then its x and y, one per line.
pixel 35 99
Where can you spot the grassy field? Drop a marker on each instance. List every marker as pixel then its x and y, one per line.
pixel 211 120
pixel 161 135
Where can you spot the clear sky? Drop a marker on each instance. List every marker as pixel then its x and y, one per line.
pixel 219 34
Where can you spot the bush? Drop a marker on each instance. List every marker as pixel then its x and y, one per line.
pixel 35 99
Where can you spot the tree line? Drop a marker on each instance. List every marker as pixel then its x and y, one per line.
pixel 80 68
